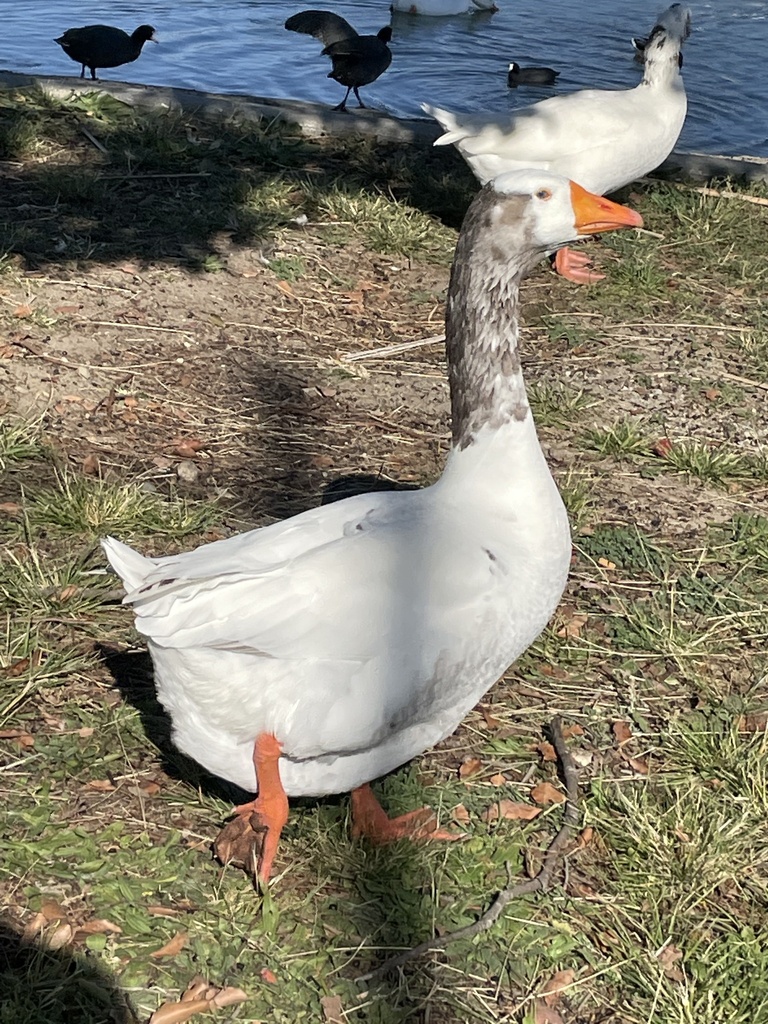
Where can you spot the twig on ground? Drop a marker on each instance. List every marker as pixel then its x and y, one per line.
pixel 94 141
pixel 390 350
pixel 541 882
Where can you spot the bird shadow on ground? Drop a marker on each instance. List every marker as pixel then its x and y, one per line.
pixel 56 986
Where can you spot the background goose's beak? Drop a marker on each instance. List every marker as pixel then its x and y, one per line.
pixel 595 214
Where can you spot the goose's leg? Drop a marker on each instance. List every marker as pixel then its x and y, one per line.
pixel 370 820
pixel 251 838
pixel 343 104
pixel 82 71
pixel 574 266
pixel 359 101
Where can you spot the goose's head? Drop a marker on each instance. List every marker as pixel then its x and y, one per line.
pixel 662 51
pixel 521 215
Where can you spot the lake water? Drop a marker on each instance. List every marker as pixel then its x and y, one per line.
pixel 240 46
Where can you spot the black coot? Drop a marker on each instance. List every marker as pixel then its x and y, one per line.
pixel 357 60
pixel 102 46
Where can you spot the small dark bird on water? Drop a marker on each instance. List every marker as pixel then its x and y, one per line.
pixel 102 46
pixel 530 76
pixel 357 60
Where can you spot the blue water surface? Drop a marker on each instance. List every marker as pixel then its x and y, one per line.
pixel 240 46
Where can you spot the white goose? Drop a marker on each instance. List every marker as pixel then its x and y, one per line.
pixel 314 655
pixel 442 8
pixel 601 138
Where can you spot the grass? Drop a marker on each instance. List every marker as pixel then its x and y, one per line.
pixel 656 654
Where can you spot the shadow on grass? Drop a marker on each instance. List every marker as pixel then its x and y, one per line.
pixel 55 987
pixel 93 181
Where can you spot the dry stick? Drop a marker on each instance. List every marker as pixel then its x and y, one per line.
pixel 704 191
pixel 391 350
pixel 539 883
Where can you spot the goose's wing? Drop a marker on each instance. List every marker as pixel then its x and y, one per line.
pixel 339 584
pixel 326 26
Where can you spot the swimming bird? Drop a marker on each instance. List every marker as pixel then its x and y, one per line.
pixel 530 76
pixel 357 60
pixel 102 46
pixel 316 654
pixel 601 138
pixel 442 8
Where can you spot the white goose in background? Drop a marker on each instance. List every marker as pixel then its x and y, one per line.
pixel 442 8
pixel 602 138
pixel 314 655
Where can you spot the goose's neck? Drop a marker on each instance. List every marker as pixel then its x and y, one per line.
pixel 481 337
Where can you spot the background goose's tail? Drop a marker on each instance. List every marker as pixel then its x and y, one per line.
pixel 449 121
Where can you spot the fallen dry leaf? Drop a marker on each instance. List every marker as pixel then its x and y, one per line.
pixel 574 625
pixel 164 912
pixel 511 810
pixel 545 793
pixel 23 739
pixel 668 958
pixel 177 1013
pixel 228 997
pixel 68 592
pixel 621 732
pixel 149 788
pixel 10 508
pixel 268 976
pixel 547 751
pixel 86 732
pixel 173 947
pixel 751 723
pixel 491 721
pixel 22 311
pixel 585 837
pixel 712 393
pixel 638 764
pixel 606 563
pixel 498 779
pixel 91 465
pixel 662 447
pixel 97 926
pixel 52 910
pixel 460 814
pixel 551 991
pixel 470 766
pixel 285 287
pixel 543 1014
pixel 66 309
pixel 101 785
pixel 58 937
pixel 333 1010
pixel 572 730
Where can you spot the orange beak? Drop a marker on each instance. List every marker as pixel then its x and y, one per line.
pixel 594 214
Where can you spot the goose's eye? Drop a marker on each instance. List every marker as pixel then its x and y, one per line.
pixel 544 194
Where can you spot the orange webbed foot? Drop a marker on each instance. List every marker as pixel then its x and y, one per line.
pixel 250 839
pixel 575 266
pixel 371 821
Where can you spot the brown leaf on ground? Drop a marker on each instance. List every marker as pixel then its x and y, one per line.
pixel 498 779
pixel 101 785
pixel 543 1014
pixel 268 975
pixel 547 751
pixel 638 764
pixel 97 926
pixel 491 721
pixel 173 947
pixel 177 1013
pixel 285 287
pixel 22 739
pixel 91 465
pixel 551 991
pixel 23 310
pixel 753 723
pixel 66 309
pixel 18 668
pixel 10 508
pixel 511 810
pixel 470 766
pixel 165 911
pixel 149 788
pixel 52 910
pixel 574 625
pixel 668 958
pixel 545 793
pixel 585 837
pixel 333 1009
pixel 606 563
pixel 621 732
pixel 68 592
pixel 572 730
pixel 662 447
pixel 460 814
pixel 228 997
pixel 58 937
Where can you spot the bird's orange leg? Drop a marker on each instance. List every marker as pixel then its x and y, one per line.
pixel 370 820
pixel 250 839
pixel 574 266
